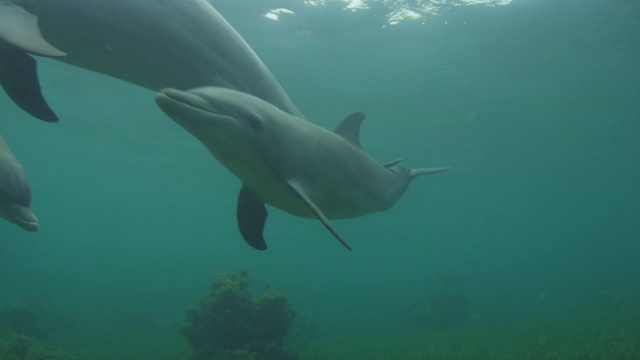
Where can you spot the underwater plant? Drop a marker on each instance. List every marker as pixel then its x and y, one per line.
pixel 24 319
pixel 21 347
pixel 231 324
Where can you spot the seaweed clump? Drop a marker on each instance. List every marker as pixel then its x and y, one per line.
pixel 24 318
pixel 231 324
pixel 21 347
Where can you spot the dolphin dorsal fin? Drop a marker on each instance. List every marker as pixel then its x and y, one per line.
pixel 349 128
pixel 20 28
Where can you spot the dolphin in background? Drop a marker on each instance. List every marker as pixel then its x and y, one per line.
pixel 15 193
pixel 286 161
pixel 180 44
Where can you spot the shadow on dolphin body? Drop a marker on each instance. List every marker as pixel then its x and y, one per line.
pixel 181 44
pixel 15 193
pixel 286 161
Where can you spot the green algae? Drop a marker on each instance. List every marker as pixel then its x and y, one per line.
pixel 581 336
pixel 232 324
pixel 21 347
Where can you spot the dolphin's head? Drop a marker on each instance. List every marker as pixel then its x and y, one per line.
pixel 15 193
pixel 234 126
pixel 230 114
pixel 20 215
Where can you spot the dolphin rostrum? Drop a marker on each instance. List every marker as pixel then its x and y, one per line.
pixel 287 162
pixel 181 44
pixel 15 193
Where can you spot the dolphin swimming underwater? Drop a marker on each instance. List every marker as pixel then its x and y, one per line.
pixel 15 193
pixel 180 44
pixel 286 161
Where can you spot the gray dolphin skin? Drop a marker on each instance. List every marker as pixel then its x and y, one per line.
pixel 180 44
pixel 15 193
pixel 287 162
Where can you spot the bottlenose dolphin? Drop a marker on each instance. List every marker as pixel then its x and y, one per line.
pixel 15 193
pixel 180 44
pixel 286 161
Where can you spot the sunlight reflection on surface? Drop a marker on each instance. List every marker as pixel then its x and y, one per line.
pixel 398 10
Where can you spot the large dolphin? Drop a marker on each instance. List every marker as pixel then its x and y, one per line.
pixel 15 193
pixel 181 44
pixel 287 162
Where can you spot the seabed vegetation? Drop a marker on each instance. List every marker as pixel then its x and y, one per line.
pixel 580 336
pixel 230 323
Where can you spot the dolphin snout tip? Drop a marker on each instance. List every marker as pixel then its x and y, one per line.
pixel 20 215
pixel 31 226
pixel 29 222
pixel 170 95
pixel 163 94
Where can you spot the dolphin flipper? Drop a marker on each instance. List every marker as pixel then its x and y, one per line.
pixel 19 78
pixel 251 215
pixel 316 211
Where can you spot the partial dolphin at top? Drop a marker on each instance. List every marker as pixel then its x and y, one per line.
pixel 15 193
pixel 180 44
pixel 287 162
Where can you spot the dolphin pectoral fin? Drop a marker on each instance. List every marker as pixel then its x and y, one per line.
pixel 316 211
pixel 19 78
pixel 20 28
pixel 251 215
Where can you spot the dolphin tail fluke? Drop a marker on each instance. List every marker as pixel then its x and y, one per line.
pixel 413 173
pixel 317 212
pixel 251 215
pixel 19 78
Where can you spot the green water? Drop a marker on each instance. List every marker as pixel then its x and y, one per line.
pixel 535 106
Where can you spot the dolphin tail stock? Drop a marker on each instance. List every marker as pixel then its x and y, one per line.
pixel 414 173
pixel 19 36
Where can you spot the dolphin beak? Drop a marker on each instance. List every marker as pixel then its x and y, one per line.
pixel 21 215
pixel 191 111
pixel 171 97
pixel 178 96
pixel 188 110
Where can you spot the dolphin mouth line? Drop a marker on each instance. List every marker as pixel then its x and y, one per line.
pixel 30 226
pixel 21 216
pixel 190 100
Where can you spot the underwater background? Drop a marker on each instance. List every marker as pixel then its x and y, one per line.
pixel 528 248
